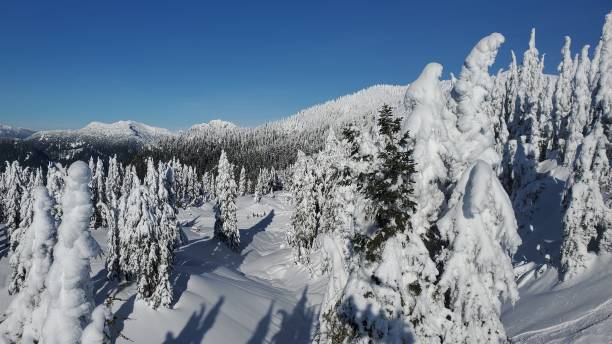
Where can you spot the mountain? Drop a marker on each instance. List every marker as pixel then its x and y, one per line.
pixel 117 131
pixel 8 132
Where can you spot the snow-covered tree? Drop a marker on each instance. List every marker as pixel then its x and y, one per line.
pixel 226 228
pixel 587 219
pixel 242 182
pixel 19 259
pixel 113 181
pixel 481 230
pixel 69 287
pixel 563 96
pixel 305 218
pixel 12 199
pixel 580 115
pixel 56 174
pixel 25 314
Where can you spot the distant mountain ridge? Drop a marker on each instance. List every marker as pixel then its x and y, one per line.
pixel 8 132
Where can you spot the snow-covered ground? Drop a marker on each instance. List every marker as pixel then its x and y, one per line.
pixel 549 310
pixel 260 296
pixel 256 296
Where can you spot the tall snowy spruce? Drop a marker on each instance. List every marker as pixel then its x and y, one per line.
pixel 226 227
pixel 69 288
pixel 305 218
pixel 19 260
pixel 242 182
pixel 376 307
pixel 587 220
pixel 25 315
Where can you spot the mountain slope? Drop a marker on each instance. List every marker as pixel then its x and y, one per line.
pixel 8 132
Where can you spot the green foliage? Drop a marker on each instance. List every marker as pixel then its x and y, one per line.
pixel 388 186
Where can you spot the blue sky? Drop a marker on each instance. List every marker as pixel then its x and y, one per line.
pixel 177 63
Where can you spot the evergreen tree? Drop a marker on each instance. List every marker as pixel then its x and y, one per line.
pixel 226 228
pixel 562 97
pixel 19 260
pixel 24 315
pixel 305 219
pixel 580 115
pixel 242 182
pixel 69 287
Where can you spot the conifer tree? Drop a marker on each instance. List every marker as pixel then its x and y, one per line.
pixel 242 182
pixel 25 314
pixel 226 228
pixel 69 287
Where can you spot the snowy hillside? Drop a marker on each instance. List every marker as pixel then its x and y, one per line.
pixel 6 131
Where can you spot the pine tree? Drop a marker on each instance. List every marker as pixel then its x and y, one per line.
pixel 19 260
pixel 226 228
pixel 113 181
pixel 70 291
pixel 480 228
pixel 24 315
pixel 580 115
pixel 242 182
pixel 305 219
pixel 562 97
pixel 383 173
pixel 55 185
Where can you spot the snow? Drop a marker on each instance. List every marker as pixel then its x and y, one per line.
pixel 6 131
pixel 215 124
pixel 221 296
pixel 121 130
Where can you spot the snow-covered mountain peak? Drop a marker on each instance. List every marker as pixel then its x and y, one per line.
pixel 217 124
pixel 124 128
pixel 6 131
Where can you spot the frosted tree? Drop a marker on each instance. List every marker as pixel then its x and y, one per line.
pixel 305 218
pixel 587 220
pixel 476 133
pixel 25 314
pixel 12 198
pixel 603 97
pixel 580 115
pixel 131 216
pixel 563 95
pixel 112 187
pixel 69 287
pixel 530 86
pixel 242 182
pixel 55 184
pixel 19 259
pixel 226 228
pixel 259 188
pixel 482 234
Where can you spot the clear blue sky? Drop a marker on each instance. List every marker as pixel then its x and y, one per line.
pixel 176 63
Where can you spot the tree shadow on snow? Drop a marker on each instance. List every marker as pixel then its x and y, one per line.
pixel 247 235
pixel 121 316
pixel 541 231
pixel 262 327
pixel 196 327
pixel 296 327
pixel 204 255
